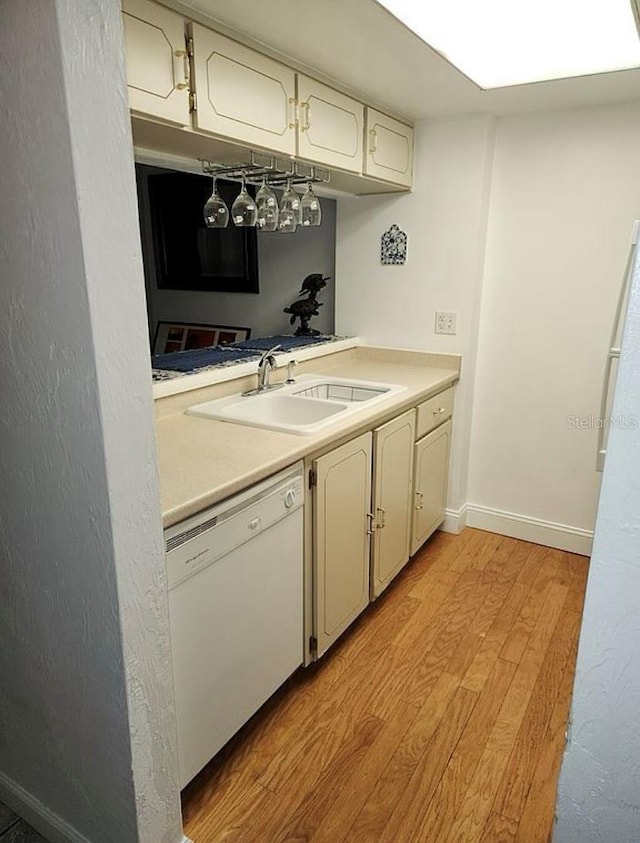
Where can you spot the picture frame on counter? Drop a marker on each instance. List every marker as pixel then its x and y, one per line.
pixel 184 336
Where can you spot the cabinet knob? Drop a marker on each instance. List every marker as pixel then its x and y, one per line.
pixel 439 411
pixel 372 524
pixel 381 525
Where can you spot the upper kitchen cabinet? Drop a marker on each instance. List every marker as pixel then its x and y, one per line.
pixel 389 148
pixel 157 61
pixel 330 126
pixel 241 94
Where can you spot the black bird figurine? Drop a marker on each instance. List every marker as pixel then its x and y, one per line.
pixel 312 284
pixel 304 309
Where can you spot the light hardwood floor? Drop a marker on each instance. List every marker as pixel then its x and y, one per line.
pixel 439 717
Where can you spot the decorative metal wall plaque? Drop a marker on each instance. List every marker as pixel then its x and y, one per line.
pixel 393 246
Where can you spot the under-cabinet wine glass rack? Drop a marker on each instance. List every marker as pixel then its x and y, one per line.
pixel 275 171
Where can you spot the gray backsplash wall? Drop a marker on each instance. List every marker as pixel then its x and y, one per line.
pixel 284 260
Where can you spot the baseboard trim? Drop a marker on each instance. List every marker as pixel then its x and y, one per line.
pixel 37 815
pixel 536 530
pixel 455 520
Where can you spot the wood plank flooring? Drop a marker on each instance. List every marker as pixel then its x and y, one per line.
pixel 438 718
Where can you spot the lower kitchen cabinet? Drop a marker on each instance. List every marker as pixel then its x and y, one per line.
pixel 393 445
pixel 375 500
pixel 431 470
pixel 341 538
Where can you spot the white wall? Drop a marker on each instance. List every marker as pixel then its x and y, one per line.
pixel 445 218
pixel 599 792
pixel 550 197
pixel 564 196
pixel 284 261
pixel 87 737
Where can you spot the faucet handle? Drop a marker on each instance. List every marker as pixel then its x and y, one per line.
pixel 269 353
pixel 290 365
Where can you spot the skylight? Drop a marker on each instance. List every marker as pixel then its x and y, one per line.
pixel 511 42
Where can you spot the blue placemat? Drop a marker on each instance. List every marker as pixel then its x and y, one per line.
pixel 285 341
pixel 198 358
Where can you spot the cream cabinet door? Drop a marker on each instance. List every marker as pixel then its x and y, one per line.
pixel 241 94
pixel 389 148
pixel 393 445
pixel 341 501
pixel 157 62
pixel 431 471
pixel 330 127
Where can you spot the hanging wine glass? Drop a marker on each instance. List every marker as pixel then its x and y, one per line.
pixel 311 209
pixel 267 205
pixel 244 211
pixel 215 211
pixel 287 221
pixel 290 210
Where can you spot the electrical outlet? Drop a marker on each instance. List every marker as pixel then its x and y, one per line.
pixel 446 323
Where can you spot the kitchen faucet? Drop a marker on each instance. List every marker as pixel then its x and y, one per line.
pixel 266 363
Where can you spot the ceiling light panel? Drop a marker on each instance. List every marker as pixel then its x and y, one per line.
pixel 497 43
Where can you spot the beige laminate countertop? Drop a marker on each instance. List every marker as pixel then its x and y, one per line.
pixel 203 461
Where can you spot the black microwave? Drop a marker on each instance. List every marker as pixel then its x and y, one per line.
pixel 187 254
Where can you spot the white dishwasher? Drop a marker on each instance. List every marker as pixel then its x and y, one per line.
pixel 235 574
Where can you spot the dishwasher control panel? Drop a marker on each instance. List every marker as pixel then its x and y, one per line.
pixel 202 540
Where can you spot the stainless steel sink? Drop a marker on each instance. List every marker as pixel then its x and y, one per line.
pixel 306 407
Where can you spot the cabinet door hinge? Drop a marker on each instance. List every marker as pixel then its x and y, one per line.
pixel 313 645
pixel 190 47
pixel 193 105
pixel 313 478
